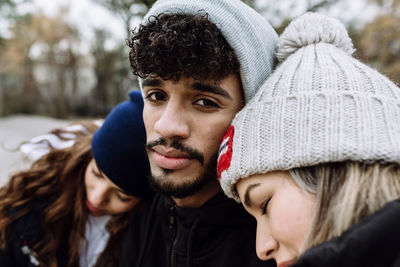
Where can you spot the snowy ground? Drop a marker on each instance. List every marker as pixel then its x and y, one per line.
pixel 13 131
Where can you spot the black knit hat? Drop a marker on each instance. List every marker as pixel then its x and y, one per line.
pixel 119 147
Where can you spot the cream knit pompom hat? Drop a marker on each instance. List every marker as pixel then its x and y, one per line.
pixel 320 105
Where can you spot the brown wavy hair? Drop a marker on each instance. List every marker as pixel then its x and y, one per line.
pixel 57 179
pixel 171 45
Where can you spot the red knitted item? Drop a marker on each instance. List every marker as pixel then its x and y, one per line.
pixel 225 151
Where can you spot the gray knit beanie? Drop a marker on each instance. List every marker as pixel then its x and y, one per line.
pixel 249 34
pixel 320 105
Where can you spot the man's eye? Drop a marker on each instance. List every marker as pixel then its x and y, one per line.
pixel 155 96
pixel 207 103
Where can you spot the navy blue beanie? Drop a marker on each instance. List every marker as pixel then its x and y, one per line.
pixel 119 147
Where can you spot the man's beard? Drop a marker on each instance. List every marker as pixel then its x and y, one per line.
pixel 161 183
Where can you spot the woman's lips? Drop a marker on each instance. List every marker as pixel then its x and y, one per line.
pixel 92 208
pixel 170 162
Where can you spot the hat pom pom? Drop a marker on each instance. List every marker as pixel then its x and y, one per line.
pixel 313 28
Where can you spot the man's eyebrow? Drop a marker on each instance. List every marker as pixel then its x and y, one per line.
pixel 152 82
pixel 204 87
pixel 247 200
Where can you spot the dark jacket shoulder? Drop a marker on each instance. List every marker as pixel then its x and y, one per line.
pixel 26 232
pixel 220 233
pixel 372 242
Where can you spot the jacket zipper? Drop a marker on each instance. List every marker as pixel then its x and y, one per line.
pixel 174 226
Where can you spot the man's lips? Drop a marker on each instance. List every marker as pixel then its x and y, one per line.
pixel 172 160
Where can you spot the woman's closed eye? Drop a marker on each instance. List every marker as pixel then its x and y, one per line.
pixel 97 173
pixel 123 198
pixel 264 206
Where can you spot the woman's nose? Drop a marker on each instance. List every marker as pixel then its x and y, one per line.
pixel 98 195
pixel 266 245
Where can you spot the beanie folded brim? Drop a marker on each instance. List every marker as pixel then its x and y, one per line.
pixel 328 108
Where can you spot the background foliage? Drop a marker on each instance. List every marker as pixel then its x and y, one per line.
pixel 43 69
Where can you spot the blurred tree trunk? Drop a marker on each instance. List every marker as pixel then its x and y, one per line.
pixel 1 96
pixel 30 90
pixel 41 53
pixel 1 80
pixel 378 44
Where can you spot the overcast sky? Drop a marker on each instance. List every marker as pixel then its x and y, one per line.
pixel 85 15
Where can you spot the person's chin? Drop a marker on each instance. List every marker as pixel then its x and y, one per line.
pixel 176 176
pixel 176 183
pixel 95 212
pixel 183 182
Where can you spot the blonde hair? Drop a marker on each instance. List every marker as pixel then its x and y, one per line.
pixel 345 192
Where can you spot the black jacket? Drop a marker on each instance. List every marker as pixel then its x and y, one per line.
pixel 17 254
pixel 373 242
pixel 26 232
pixel 220 233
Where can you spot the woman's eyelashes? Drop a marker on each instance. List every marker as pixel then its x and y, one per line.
pixel 123 198
pixel 264 206
pixel 97 173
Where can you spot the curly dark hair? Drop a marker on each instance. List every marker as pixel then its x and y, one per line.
pixel 171 45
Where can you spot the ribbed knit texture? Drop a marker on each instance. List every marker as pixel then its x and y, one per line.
pixel 320 105
pixel 119 147
pixel 248 33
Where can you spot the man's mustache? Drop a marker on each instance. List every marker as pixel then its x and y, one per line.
pixel 191 152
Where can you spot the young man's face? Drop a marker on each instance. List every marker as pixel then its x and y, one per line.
pixel 185 122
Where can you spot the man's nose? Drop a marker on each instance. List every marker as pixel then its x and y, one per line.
pixel 173 122
pixel 266 244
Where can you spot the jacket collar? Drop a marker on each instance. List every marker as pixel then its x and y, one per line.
pixel 374 241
